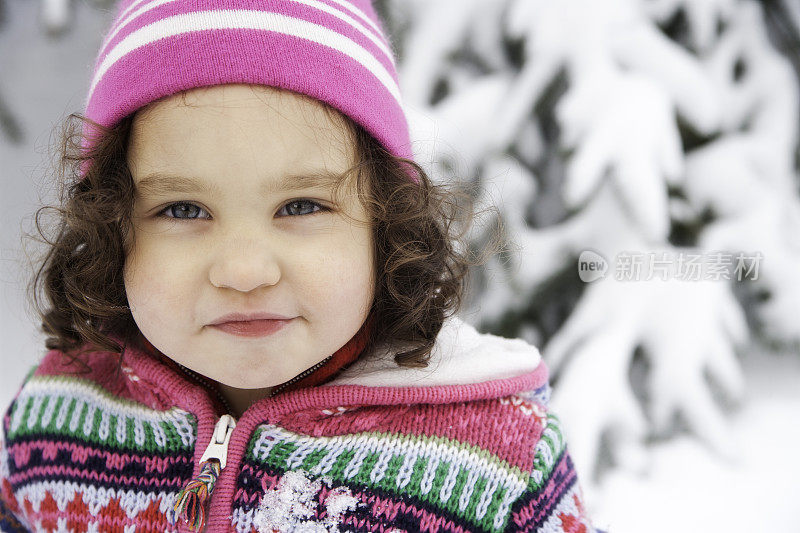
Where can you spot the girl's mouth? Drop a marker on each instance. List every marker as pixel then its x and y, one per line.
pixel 252 328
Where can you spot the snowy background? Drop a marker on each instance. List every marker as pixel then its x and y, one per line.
pixel 657 129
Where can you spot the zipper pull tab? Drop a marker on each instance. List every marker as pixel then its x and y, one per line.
pixel 218 447
pixel 191 501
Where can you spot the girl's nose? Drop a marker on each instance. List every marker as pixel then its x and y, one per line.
pixel 244 265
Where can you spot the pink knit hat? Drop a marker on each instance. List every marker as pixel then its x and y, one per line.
pixel 332 50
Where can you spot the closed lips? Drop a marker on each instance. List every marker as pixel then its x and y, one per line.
pixel 242 317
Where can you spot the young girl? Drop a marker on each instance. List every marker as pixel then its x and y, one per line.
pixel 250 303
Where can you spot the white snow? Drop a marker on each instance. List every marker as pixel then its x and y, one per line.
pixel 688 488
pixel 289 506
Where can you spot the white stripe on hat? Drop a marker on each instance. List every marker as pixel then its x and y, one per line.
pixel 127 17
pixel 256 20
pixel 347 4
pixel 380 43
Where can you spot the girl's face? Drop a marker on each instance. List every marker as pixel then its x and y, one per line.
pixel 217 231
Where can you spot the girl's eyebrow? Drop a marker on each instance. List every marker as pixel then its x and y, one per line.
pixel 163 183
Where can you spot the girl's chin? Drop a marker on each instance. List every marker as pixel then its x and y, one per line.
pixel 249 375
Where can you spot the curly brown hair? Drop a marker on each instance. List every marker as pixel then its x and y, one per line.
pixel 419 229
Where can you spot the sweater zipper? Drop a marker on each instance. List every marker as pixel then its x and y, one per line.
pixel 299 376
pixel 192 501
pixel 208 386
pixel 217 449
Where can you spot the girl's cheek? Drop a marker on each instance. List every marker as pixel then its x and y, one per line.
pixel 347 276
pixel 152 260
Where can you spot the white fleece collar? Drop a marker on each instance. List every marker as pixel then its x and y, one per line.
pixel 461 355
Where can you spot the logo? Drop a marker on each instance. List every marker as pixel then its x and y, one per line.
pixel 591 266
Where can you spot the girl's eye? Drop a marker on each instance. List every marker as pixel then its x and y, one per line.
pixel 296 205
pixel 178 210
pixel 189 211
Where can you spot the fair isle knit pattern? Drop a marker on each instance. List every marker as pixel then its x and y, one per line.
pixel 77 458
pixel 464 478
pixel 334 51
pixel 109 451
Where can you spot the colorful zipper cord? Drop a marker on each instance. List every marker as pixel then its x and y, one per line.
pixel 191 500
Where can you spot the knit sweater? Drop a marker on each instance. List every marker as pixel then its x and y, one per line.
pixel 467 444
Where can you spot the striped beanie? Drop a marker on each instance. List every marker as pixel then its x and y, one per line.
pixel 332 50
